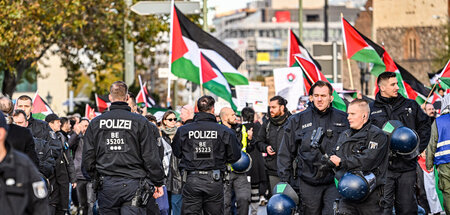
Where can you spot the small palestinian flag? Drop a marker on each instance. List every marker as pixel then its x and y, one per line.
pixel 90 113
pixel 40 108
pixel 196 52
pixel 444 76
pixel 358 47
pixel 102 105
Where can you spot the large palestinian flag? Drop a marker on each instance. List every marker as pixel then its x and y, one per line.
pixel 358 47
pixel 40 108
pixel 196 52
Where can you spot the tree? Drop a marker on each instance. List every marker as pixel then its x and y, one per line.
pixel 89 37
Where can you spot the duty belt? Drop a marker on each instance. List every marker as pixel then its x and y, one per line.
pixel 199 172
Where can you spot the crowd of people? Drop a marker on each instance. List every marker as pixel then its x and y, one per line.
pixel 127 161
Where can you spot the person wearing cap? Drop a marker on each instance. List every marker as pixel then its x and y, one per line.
pixel 121 155
pixel 22 190
pixel 64 170
pixel 438 151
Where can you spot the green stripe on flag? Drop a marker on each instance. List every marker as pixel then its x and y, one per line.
pixel 370 56
pixel 184 68
pixel 221 91
pixel 40 116
pixel 235 79
pixel 338 103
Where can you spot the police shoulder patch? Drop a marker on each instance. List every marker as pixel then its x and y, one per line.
pixel 39 189
pixel 373 145
pixel 52 134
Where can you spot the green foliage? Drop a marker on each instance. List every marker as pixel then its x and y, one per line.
pixel 89 36
pixel 442 54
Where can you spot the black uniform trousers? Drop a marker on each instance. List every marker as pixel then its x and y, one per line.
pixel 202 193
pixel 115 196
pixel 59 197
pixel 370 206
pixel 317 199
pixel 400 192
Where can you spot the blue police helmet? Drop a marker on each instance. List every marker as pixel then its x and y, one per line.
pixel 286 189
pixel 404 140
pixel 280 204
pixel 243 164
pixel 353 187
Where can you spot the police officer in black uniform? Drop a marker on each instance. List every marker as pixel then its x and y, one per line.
pixel 204 147
pixel 362 149
pixel 401 175
pixel 310 136
pixel 22 190
pixel 121 153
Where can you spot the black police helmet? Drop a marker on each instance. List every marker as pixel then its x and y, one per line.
pixel 280 204
pixel 353 187
pixel 243 164
pixel 404 140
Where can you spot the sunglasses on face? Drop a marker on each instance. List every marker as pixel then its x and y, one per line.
pixel 171 119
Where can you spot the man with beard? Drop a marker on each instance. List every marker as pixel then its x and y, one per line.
pixel 237 182
pixel 269 136
pixel 401 175
pixel 309 137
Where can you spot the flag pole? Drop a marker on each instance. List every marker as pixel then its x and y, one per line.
pixel 172 8
pixel 96 102
pixel 289 47
pixel 432 89
pixel 348 64
pixel 303 68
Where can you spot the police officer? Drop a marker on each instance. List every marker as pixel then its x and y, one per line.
pixel 269 136
pixel 437 150
pixel 362 148
pixel 401 175
pixel 310 136
pixel 22 190
pixel 204 147
pixel 238 181
pixel 121 153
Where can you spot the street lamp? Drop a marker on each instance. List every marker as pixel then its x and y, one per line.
pixel 49 98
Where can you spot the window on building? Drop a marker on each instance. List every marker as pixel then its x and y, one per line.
pixel 412 48
pixel 411 45
pixel 312 18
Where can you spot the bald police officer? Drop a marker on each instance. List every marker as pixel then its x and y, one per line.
pixel 121 152
pixel 204 147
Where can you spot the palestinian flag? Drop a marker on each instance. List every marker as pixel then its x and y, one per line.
pixel 312 75
pixel 444 76
pixel 142 98
pixel 360 48
pixel 196 52
pixel 90 113
pixel 102 104
pixel 40 108
pixel 296 48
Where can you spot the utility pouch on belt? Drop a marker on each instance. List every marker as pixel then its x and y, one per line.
pixel 143 193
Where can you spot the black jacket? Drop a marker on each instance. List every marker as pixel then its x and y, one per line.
pixel 21 139
pixel 124 144
pixel 65 169
pixel 40 129
pixel 22 189
pixel 363 150
pixel 270 134
pixel 205 145
pixel 296 143
pixel 411 115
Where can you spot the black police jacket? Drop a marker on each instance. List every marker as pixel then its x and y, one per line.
pixel 21 139
pixel 205 144
pixel 296 143
pixel 40 129
pixel 411 115
pixel 22 190
pixel 124 144
pixel 363 150
pixel 270 134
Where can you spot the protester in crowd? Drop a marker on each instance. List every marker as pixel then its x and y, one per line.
pixel 187 114
pixel 269 136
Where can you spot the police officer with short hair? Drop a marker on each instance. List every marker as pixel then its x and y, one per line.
pixel 361 149
pixel 401 175
pixel 310 136
pixel 22 190
pixel 204 147
pixel 121 154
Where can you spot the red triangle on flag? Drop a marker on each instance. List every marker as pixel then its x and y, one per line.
pixel 207 71
pixel 39 105
pixel 179 48
pixel 102 105
pixel 294 47
pixel 353 41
